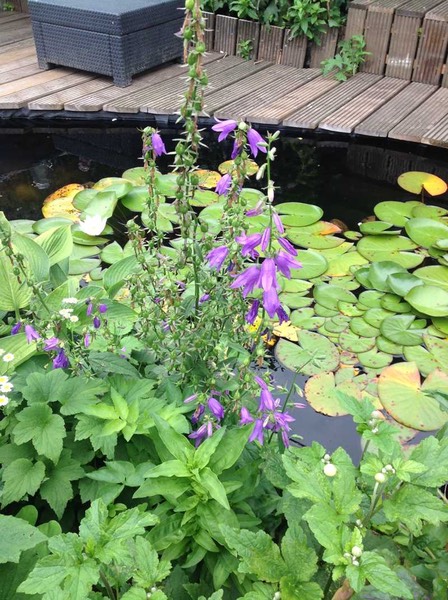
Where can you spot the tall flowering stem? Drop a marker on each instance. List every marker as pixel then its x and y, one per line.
pixel 153 147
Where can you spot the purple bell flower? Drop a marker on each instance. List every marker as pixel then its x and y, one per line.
pixel 16 328
pixel 216 408
pixel 286 245
pixel 87 340
pixel 252 313
pixel 285 262
pixel 261 382
pixel 268 275
pixel 255 139
pixel 267 401
pixel 248 280
pixel 31 334
pixel 217 256
pixel 205 430
pixel 204 298
pixel 246 417
pixel 197 414
pixel 51 344
pixel 224 185
pixel 278 222
pixel 235 150
pixel 191 398
pixel 157 144
pixel 89 309
pixel 256 211
pixel 249 243
pixel 224 128
pixel 265 238
pixel 102 308
pixel 96 322
pixel 282 315
pixel 271 302
pixel 61 360
pixel 257 432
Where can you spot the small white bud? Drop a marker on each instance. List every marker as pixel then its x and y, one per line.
pixel 380 477
pixel 376 414
pixel 355 563
pixel 356 551
pixel 347 555
pixel 359 523
pixel 330 470
pixel 384 470
pixel 375 430
pixel 271 193
pixel 371 423
pixel 327 457
pixel 153 589
pixel 389 468
pixel 277 596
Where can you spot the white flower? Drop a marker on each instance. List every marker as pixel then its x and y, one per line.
pixel 74 319
pixel 330 470
pixel 356 551
pixel 3 379
pixel 70 301
pixel 6 387
pixel 4 400
pixel 66 312
pixel 93 225
pixel 380 477
pixel 8 357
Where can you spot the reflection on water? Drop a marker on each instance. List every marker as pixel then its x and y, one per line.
pixel 345 179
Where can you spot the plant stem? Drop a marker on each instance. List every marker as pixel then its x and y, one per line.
pixel 442 495
pixel 364 450
pixel 109 590
pixel 328 585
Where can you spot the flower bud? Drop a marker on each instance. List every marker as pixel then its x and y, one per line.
pixel 330 470
pixel 327 457
pixel 380 477
pixel 376 414
pixel 355 563
pixel 356 551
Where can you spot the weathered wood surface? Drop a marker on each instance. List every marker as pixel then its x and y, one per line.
pixel 294 50
pixel 260 92
pixel 225 34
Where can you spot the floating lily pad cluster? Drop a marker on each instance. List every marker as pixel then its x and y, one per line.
pixel 368 309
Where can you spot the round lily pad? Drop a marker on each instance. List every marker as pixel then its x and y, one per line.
pixel 166 184
pixel 331 253
pixel 313 265
pixel 121 187
pixel 349 310
pixel 439 349
pixel 207 179
pixel 204 198
pixel 360 327
pixel 380 271
pixel 398 329
pixel 441 323
pixel 286 331
pixel 353 235
pixel 373 359
pixel 323 311
pixel 371 298
pixel 250 166
pixel 423 358
pixel 394 212
pixel 342 265
pixel 433 275
pixel 416 181
pixel 136 175
pixel 428 212
pixel 295 286
pixel 403 396
pixel 337 324
pixel 402 283
pixel 355 343
pixel 295 300
pixel 320 392
pixel 305 319
pixel 376 248
pixel 312 355
pixel 362 276
pixel 348 358
pixel 394 303
pixel 426 232
pixel 429 300
pixel 378 228
pixel 329 295
pixel 317 236
pixel 375 316
pixel 388 346
pixel 212 215
pixel 137 199
pixel 298 214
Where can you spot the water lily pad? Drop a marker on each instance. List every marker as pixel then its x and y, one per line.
pixel 394 303
pixel 137 199
pixel 378 228
pixel 352 235
pixel 424 359
pixel 347 282
pixel 204 198
pixel 355 343
pixel 136 175
pixel 439 349
pixel 251 196
pixel 376 248
pixel 373 359
pixel 371 298
pixel 416 181
pixel 295 286
pixel 375 316
pixel 212 215
pixel 320 392
pixel 394 212
pixel 434 275
pixel 317 236
pixel 61 207
pixel 166 184
pixel 359 326
pixel 398 329
pixel 207 179
pixel 331 253
pixel 402 283
pixel 337 324
pixel 305 319
pixel 121 187
pixel 428 212
pixel 426 232
pixel 314 354
pixel 45 224
pixel 83 198
pixel 298 214
pixel 388 346
pixel 441 323
pixel 250 166
pixel 323 311
pixel 313 265
pixel 295 300
pixel 348 358
pixel 380 271
pixel 349 310
pixel 342 265
pixel 286 330
pixel 429 300
pixel 403 396
pixel 329 295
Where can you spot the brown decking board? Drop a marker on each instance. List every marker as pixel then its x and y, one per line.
pixel 275 111
pixel 294 50
pixel 248 86
pixel 356 18
pixel 438 134
pixel 326 48
pixel 28 82
pixel 57 100
pixel 395 110
pixel 415 126
pixel 254 102
pixel 345 119
pixel 315 112
pixel 12 35
pixel 248 30
pixel 210 29
pixel 15 63
pixel 169 89
pixel 432 47
pixel 403 46
pixel 225 34
pixel 270 44
pixel 23 71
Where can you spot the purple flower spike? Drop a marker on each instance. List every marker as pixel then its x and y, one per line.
pixel 254 139
pixel 31 334
pixel 285 262
pixel 197 414
pixel 16 328
pixel 257 210
pixel 216 408
pixel 157 144
pixel 204 298
pixel 102 308
pixel 252 313
pixel 278 223
pixel 265 238
pixel 191 398
pixel 246 417
pixel 267 401
pixel 89 309
pixel 51 344
pixel 224 185
pixel 284 243
pixel 271 302
pixel 61 360
pixel 257 432
pixel 199 435
pixel 261 382
pixel 87 340
pixel 268 275
pixel 248 279
pixel 217 256
pixel 235 150
pixel 282 315
pixel 224 128
pixel 96 322
pixel 249 243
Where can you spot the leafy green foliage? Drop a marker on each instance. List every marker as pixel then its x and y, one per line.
pixel 346 62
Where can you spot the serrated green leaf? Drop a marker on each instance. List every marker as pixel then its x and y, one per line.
pixel 414 506
pixel 44 429
pixel 382 577
pixel 21 477
pixel 16 536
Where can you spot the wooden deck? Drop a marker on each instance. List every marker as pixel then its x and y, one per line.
pixel 265 93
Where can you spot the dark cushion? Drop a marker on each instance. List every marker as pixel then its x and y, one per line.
pixel 115 17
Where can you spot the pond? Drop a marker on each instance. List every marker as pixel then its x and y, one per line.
pixel 346 179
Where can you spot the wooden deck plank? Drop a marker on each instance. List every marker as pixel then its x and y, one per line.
pixel 14 34
pixel 16 63
pixel 253 103
pixel 326 48
pixel 21 98
pixel 20 72
pixel 395 110
pixel 315 112
pixel 225 34
pixel 171 102
pixel 248 30
pixel 294 50
pixel 57 100
pixel 432 47
pixel 6 17
pixel 356 18
pixel 271 43
pixel 29 82
pixel 238 90
pixel 96 101
pixel 345 119
pixel 438 134
pixel 169 88
pixel 421 120
pixel 274 112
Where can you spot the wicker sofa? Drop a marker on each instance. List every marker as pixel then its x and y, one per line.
pixel 119 38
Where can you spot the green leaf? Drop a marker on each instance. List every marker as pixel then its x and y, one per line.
pixel 382 577
pixel 292 590
pixel 107 362
pixel 21 477
pixel 174 442
pixel 148 569
pixel 215 488
pixel 57 243
pixel 229 450
pixel 259 555
pixel 414 506
pixel 35 256
pixel 13 295
pixel 315 353
pixel 57 488
pixel 208 448
pixel 39 425
pixel 429 299
pixel 299 557
pixel 16 535
pixel 169 468
pixel 432 453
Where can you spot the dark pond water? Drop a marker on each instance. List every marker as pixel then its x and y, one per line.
pixel 345 178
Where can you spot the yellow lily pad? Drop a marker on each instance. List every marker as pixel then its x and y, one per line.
pixel 208 179
pixel 416 181
pixel 250 165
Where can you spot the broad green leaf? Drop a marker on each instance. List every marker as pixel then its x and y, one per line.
pixel 214 487
pixel 169 468
pixel 35 256
pixel 21 477
pixel 13 294
pixel 299 557
pixel 314 354
pixel 414 506
pixel 229 450
pixel 291 589
pixel 57 488
pixel 16 536
pixel 45 430
pixel 57 243
pixel 429 300
pixel 174 442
